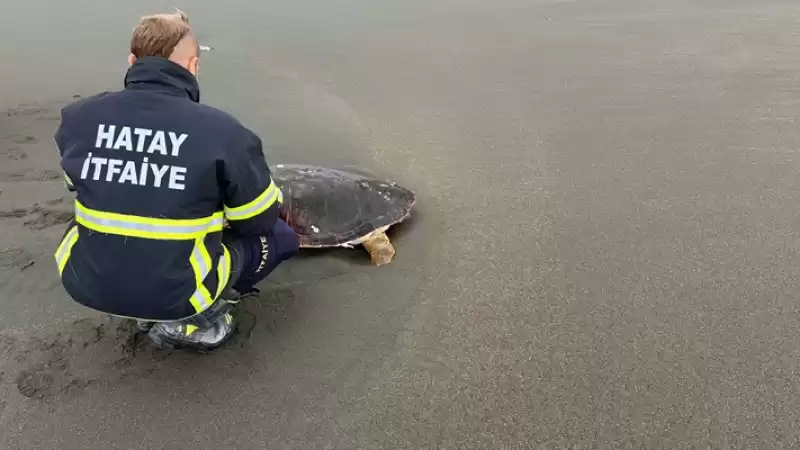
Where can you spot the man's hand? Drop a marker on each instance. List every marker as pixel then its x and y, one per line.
pixel 282 214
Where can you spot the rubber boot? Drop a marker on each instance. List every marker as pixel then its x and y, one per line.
pixel 176 335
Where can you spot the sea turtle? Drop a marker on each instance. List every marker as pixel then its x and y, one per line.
pixel 336 208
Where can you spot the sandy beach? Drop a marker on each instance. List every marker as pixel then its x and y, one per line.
pixel 604 253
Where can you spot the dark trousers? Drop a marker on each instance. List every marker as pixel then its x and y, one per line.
pixel 255 257
pixel 252 259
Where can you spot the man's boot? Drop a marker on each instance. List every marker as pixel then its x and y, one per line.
pixel 174 335
pixel 143 326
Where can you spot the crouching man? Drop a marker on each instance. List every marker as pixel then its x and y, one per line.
pixel 157 175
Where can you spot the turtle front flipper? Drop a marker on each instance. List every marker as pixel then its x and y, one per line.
pixel 380 248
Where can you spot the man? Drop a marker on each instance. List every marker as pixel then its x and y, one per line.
pixel 156 174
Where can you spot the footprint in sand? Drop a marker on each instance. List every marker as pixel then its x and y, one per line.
pixel 64 363
pixel 30 175
pixel 41 217
pixel 104 352
pixel 26 143
pixel 16 258
pixel 11 147
pixel 26 139
pixel 29 110
pixel 46 218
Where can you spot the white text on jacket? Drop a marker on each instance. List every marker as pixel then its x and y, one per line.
pixel 136 168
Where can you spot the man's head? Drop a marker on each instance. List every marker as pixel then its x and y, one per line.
pixel 168 36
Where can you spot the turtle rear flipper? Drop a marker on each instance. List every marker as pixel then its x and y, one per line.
pixel 380 248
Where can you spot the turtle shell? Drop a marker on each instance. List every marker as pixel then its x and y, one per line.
pixel 332 208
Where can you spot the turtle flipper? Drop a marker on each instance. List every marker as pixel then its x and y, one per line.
pixel 380 248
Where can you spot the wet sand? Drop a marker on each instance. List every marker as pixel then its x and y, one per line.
pixel 604 252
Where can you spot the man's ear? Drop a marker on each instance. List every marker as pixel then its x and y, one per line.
pixel 194 66
pixel 131 59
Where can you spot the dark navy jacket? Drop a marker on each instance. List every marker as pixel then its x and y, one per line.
pixel 154 171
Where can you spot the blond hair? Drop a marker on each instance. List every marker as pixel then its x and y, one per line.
pixel 159 34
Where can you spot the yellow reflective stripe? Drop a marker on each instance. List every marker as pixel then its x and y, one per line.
pixel 204 253
pixel 67 179
pixel 201 265
pixel 172 229
pixel 267 198
pixel 65 248
pixel 191 329
pixel 147 227
pixel 223 270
